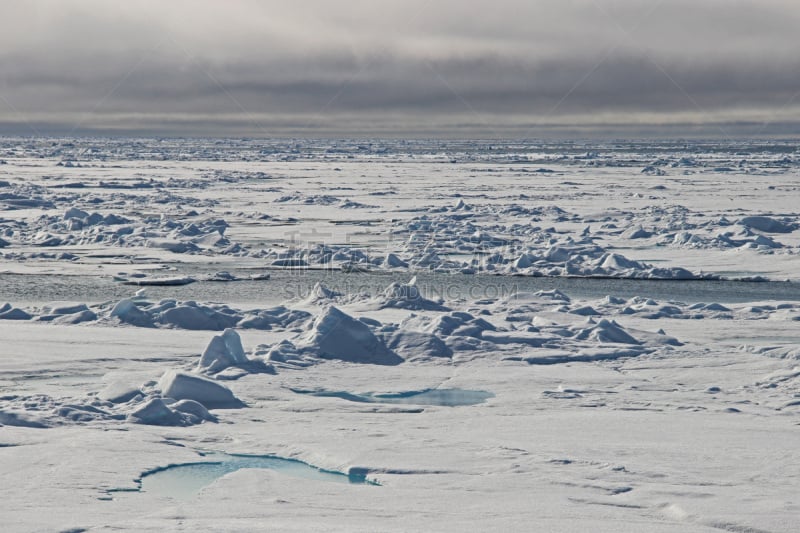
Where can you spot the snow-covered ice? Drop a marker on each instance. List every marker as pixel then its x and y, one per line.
pixel 366 310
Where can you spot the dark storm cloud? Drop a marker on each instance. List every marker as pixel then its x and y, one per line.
pixel 349 67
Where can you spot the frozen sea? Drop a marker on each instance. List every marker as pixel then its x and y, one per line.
pixel 375 335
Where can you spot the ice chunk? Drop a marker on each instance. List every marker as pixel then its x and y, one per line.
pixel 767 224
pixel 118 392
pixel 74 212
pixel 290 262
pixel 395 262
pixel 127 311
pixel 174 246
pixel 336 335
pixel 76 318
pixel 586 310
pixel 417 345
pixel 156 413
pixel 637 232
pixel 277 316
pixel 222 276
pixel 284 352
pixel 321 293
pixel 64 309
pixel 193 408
pixel 762 240
pixel 183 386
pixel 452 324
pixel 606 331
pixel 408 296
pixel 113 220
pixel 461 206
pixel 715 307
pixel 553 294
pixel 196 317
pixel 523 261
pixel 25 420
pixel 619 262
pixel 223 351
pixel 160 282
pixel 15 314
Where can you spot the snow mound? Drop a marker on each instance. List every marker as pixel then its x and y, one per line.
pixel 222 276
pixel 408 296
pixel 190 315
pixel 585 310
pixel 320 293
pixel 524 261
pixel 461 206
pixel 76 318
pixel 128 312
pixel 554 294
pixel 416 345
pixel 9 418
pixel 767 224
pixel 66 314
pixel 174 246
pixel 183 386
pixel 156 413
pixel 285 352
pixel 336 335
pixel 393 261
pixel 275 317
pixel 290 262
pixel 606 331
pixel 709 307
pixel 14 313
pixel 74 212
pixel 119 392
pixel 618 262
pixel 637 232
pixel 64 309
pixel 195 316
pixel 456 323
pixel 193 409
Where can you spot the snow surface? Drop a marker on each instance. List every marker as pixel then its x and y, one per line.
pixel 609 413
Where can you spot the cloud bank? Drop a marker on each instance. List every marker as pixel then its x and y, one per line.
pixel 350 68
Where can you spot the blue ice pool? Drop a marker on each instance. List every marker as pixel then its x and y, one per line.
pixel 184 480
pixel 445 397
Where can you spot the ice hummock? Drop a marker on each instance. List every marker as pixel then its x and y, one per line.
pixel 223 351
pixel 184 386
pixel 336 335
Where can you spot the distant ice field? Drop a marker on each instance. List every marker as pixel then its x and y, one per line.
pixel 37 289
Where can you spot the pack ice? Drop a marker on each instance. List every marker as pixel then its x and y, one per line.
pixel 165 303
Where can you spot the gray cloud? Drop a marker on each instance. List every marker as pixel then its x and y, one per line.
pixel 508 67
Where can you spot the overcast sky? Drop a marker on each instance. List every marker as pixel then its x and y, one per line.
pixel 516 68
